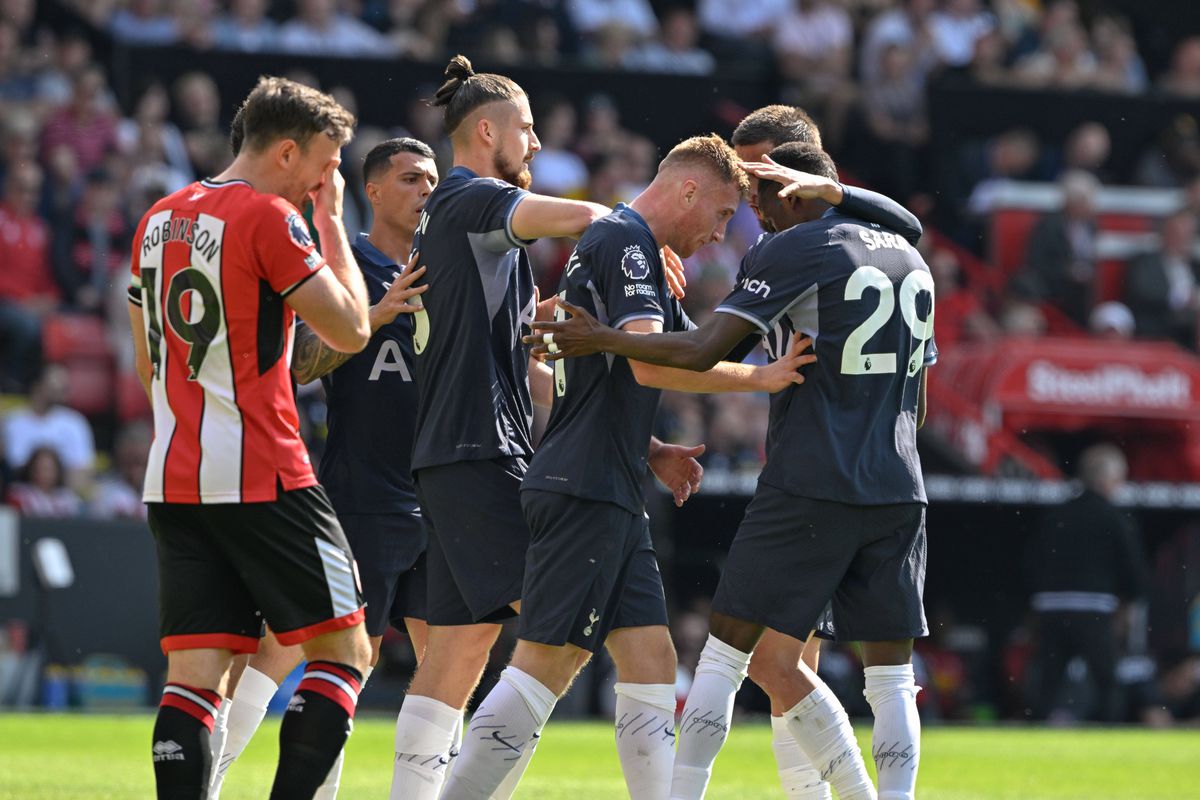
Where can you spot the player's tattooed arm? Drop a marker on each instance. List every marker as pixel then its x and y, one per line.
pixel 312 358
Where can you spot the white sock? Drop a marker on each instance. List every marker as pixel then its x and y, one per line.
pixel 896 741
pixel 424 730
pixel 645 732
pixel 455 746
pixel 800 780
pixel 505 725
pixel 820 726
pixel 706 717
pixel 216 743
pixel 246 711
pixel 509 785
pixel 329 789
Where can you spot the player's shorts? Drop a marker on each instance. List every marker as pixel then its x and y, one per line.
pixel 643 601
pixel 475 563
pixel 824 628
pixel 579 556
pixel 793 554
pixel 390 551
pixel 224 568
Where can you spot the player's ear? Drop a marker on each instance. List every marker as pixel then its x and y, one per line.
pixel 689 191
pixel 485 130
pixel 372 190
pixel 286 153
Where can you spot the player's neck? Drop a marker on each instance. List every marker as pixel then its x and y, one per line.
pixel 244 169
pixel 649 208
pixel 482 164
pixel 394 243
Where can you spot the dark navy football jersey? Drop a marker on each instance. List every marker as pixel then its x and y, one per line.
pixel 372 401
pixel 599 430
pixel 849 433
pixel 472 370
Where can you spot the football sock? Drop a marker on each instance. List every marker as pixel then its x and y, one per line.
pixel 799 779
pixel 216 742
pixel 424 732
pixel 315 727
pixel 455 746
pixel 182 752
pixel 329 789
pixel 645 731
pixel 509 784
pixel 247 708
pixel 896 740
pixel 505 726
pixel 706 715
pixel 820 726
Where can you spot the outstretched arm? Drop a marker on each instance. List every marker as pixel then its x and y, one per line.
pixel 537 216
pixel 857 202
pixel 697 350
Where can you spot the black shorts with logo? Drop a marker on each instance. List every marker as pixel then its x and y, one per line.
pixel 390 551
pixel 792 555
pixel 475 563
pixel 224 568
pixel 590 568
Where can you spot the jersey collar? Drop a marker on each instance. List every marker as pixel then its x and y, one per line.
pixel 633 215
pixel 370 252
pixel 462 172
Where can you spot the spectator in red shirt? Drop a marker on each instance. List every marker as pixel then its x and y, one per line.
pixel 85 125
pixel 92 244
pixel 27 288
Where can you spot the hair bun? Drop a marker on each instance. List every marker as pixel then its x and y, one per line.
pixel 460 68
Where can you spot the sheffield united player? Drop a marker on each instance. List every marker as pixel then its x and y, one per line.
pixel 591 561
pixel 474 408
pixel 365 468
pixel 839 513
pixel 220 269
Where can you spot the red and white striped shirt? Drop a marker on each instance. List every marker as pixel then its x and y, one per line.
pixel 212 264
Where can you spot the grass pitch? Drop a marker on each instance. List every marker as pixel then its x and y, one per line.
pixel 53 757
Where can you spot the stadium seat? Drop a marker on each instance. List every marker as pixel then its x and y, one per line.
pixel 70 336
pixel 89 386
pixel 131 398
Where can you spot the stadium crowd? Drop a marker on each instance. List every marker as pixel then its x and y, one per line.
pixel 77 170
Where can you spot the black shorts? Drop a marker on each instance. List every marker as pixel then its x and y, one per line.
pixel 793 554
pixel 221 564
pixel 475 563
pixel 643 601
pixel 390 551
pixel 579 559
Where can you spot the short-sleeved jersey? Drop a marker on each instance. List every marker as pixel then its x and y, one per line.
pixel 472 370
pixel 212 266
pixel 371 400
pixel 599 430
pixel 849 433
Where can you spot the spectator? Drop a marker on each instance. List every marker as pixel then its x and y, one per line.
pixel 246 27
pixel 956 27
pixel 1060 259
pixel 1083 559
pixel 906 26
pixel 636 17
pixel 92 243
pixel 1119 68
pixel 677 51
pixel 1111 320
pixel 194 20
pixel 27 288
pixel 1064 61
pixel 198 109
pixel 1183 78
pixel 1087 149
pixel 20 141
pixel 318 29
pixel 86 126
pixel 557 170
pixel 814 45
pixel 46 422
pixel 894 105
pixel 72 53
pixel 143 22
pixel 150 137
pixel 17 85
pixel 961 315
pixel 1174 158
pixel 734 23
pixel 1162 287
pixel 119 493
pixel 42 490
pixel 410 22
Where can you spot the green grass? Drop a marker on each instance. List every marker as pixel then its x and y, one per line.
pixel 97 757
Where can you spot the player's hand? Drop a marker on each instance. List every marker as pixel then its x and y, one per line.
pixel 399 292
pixel 677 469
pixel 575 336
pixel 777 376
pixel 544 308
pixel 801 185
pixel 327 197
pixel 673 271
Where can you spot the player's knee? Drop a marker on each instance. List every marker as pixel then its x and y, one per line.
pixel 887 654
pixel 772 671
pixel 350 647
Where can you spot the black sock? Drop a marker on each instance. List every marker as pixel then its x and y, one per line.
pixel 182 758
pixel 315 728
